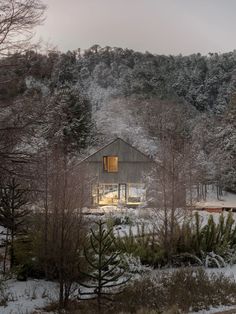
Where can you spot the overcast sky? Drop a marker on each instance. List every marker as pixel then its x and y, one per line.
pixel 157 26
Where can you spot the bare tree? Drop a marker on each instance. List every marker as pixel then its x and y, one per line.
pixel 64 227
pixel 18 18
pixel 19 124
pixel 17 21
pixel 174 176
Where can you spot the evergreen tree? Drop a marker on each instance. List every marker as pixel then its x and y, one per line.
pixel 223 153
pixel 105 266
pixel 13 212
pixel 70 120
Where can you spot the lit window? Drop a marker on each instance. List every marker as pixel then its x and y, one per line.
pixel 136 193
pixel 107 194
pixel 110 163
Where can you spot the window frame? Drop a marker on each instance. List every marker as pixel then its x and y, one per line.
pixel 139 185
pixel 105 161
pixel 100 189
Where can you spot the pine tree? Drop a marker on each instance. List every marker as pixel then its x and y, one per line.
pixel 105 266
pixel 70 120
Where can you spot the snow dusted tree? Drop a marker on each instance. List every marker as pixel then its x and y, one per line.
pixel 65 71
pixel 70 119
pixel 20 134
pixel 223 153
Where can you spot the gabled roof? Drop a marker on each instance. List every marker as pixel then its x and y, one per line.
pixel 105 148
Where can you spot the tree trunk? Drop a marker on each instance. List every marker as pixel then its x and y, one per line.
pixel 5 253
pixel 61 291
pixel 62 300
pixel 46 219
pixel 12 251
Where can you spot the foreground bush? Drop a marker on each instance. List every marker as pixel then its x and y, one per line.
pixel 185 289
pixel 172 292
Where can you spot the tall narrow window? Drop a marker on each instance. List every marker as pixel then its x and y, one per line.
pixel 110 163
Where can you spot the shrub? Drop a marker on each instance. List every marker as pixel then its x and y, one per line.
pixel 27 263
pixel 143 245
pixel 29 269
pixel 181 291
pixel 212 245
pixel 185 289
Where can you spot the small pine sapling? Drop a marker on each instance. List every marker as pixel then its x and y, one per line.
pixel 106 273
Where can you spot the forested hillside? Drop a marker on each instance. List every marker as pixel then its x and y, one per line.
pixel 205 82
pixel 85 99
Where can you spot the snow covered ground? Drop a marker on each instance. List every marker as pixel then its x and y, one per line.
pixel 32 295
pixel 219 310
pixel 226 200
pixel 26 296
pixel 128 220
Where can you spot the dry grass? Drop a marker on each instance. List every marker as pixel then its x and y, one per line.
pixel 185 289
pixel 176 292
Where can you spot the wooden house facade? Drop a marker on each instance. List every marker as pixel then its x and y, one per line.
pixel 117 175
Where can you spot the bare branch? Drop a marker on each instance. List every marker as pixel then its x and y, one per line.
pixel 18 18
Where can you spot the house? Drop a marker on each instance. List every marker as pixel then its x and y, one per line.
pixel 117 175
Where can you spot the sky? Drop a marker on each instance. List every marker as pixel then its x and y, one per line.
pixel 158 26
